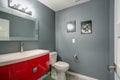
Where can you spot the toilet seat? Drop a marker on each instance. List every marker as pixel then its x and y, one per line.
pixel 61 64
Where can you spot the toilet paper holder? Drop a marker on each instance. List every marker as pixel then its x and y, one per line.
pixel 76 59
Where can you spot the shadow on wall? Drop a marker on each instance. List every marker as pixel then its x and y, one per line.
pixel 59 58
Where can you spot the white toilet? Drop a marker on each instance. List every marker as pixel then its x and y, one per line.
pixel 58 68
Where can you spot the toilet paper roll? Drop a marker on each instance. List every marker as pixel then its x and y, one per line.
pixel 76 59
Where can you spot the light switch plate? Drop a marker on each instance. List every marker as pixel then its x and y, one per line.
pixel 73 40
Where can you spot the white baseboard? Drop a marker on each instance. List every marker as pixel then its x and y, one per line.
pixel 76 76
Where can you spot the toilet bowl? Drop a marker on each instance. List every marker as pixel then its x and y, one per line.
pixel 61 66
pixel 58 68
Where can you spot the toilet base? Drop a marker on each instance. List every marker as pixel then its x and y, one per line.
pixel 61 75
pixel 54 74
pixel 58 75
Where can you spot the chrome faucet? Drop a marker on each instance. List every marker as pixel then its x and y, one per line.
pixel 21 46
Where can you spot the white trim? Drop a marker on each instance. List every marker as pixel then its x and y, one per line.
pixel 79 76
pixel 116 38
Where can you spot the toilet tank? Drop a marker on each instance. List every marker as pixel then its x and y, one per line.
pixel 53 57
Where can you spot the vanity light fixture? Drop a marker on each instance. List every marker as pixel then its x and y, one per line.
pixel 19 7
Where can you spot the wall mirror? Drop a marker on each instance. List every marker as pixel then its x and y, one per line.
pixel 16 26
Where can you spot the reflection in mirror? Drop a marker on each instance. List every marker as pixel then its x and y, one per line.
pixel 4 29
pixel 14 26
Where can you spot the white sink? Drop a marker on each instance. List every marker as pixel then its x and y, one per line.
pixel 11 58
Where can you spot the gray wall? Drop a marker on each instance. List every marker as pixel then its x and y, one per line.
pixel 92 49
pixel 111 37
pixel 46 19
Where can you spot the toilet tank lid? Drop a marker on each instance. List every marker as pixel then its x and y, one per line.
pixel 51 53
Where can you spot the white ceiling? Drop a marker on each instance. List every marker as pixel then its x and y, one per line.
pixel 57 5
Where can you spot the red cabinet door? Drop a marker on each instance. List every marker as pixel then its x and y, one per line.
pixel 39 66
pixel 19 71
pixel 26 70
pixel 4 74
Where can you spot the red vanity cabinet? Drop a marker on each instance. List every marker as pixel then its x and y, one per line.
pixel 4 73
pixel 31 69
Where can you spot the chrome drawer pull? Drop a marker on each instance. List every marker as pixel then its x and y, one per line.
pixel 35 70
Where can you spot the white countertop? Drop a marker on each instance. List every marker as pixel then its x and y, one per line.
pixel 11 58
